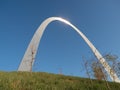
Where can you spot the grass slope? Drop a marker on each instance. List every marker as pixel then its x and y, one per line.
pixel 45 81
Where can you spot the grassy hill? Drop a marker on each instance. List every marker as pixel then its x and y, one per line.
pixel 45 81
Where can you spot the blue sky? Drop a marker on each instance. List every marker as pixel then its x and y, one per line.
pixel 61 47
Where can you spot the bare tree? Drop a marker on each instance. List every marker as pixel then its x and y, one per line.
pixel 86 65
pixel 98 71
pixel 117 69
pixel 113 62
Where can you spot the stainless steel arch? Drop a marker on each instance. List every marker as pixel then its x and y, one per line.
pixel 29 56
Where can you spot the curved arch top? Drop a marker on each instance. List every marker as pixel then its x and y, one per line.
pixel 29 56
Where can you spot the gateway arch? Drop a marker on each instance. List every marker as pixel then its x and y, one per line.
pixel 29 56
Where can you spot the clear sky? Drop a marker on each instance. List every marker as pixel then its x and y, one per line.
pixel 61 47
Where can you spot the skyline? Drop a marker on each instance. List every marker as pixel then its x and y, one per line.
pixel 17 28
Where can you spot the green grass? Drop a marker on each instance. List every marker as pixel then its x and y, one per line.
pixel 45 81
